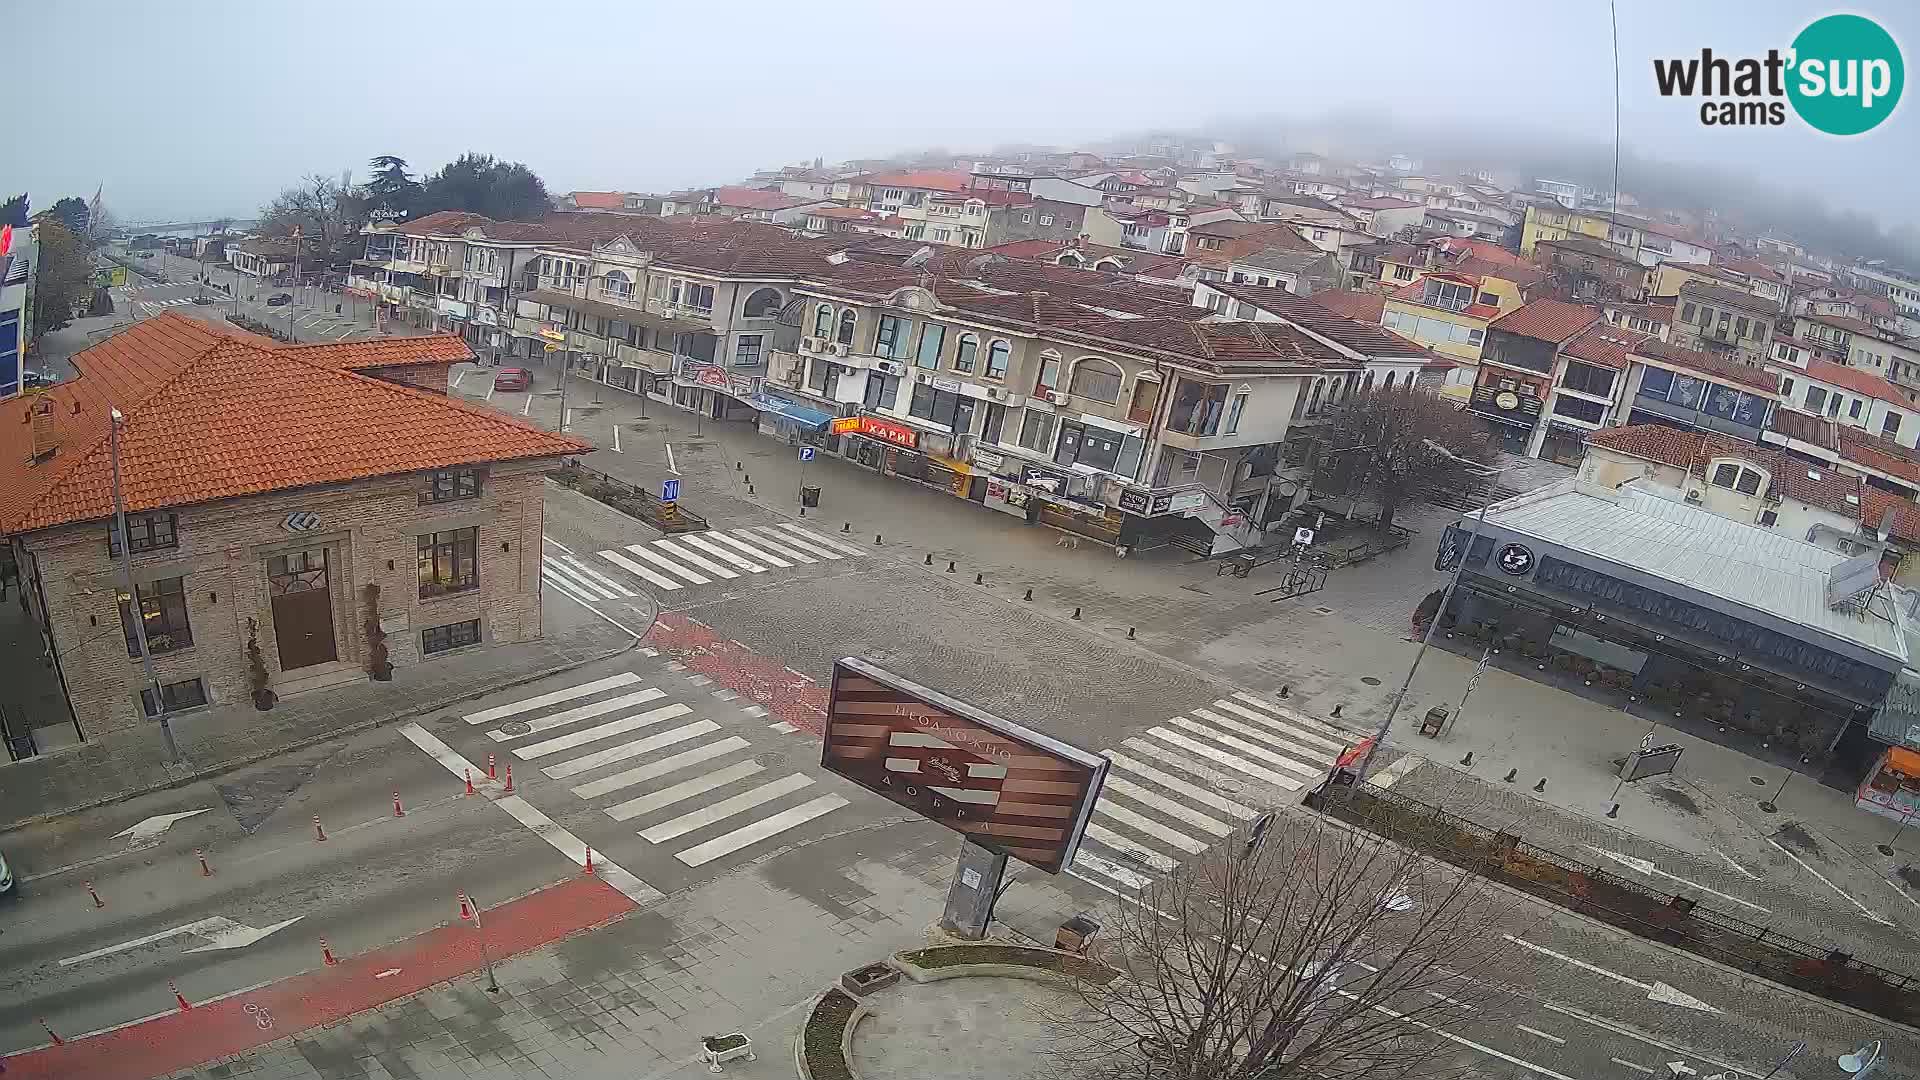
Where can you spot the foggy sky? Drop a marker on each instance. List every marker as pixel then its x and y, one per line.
pixel 191 108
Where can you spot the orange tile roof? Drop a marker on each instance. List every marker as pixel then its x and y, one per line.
pixel 1604 344
pixel 1723 370
pixel 209 416
pixel 1852 378
pixel 383 352
pixel 1546 320
pixel 442 222
pixel 1694 451
pixel 1364 306
pixel 598 200
pixel 936 179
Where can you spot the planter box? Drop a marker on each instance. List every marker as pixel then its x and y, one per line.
pixel 865 980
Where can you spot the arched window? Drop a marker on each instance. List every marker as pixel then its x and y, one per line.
pixel 823 321
pixel 1368 383
pixel 845 336
pixel 963 353
pixel 997 354
pixel 1068 259
pixel 618 284
pixel 1390 377
pixel 1096 378
pixel 763 304
pixel 1107 264
pixel 1313 402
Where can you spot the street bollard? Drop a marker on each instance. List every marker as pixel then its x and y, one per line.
pixel 1285 691
pixel 469 790
pixel 1076 613
pixel 1337 708
pixel 928 561
pixel 509 787
pixel 205 870
pixel 326 953
pixel 97 902
pixel 846 526
pixel 491 775
pixel 1542 785
pixel 1028 596
pixel 876 539
pixel 589 868
pixel 1130 633
pixel 1511 773
pixel 949 566
pixel 979 579
pixel 397 811
pixel 466 909
pixel 48 1028
pixel 319 834
pixel 178 997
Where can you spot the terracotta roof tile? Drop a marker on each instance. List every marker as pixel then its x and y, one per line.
pixel 1713 366
pixel 1855 379
pixel 1604 344
pixel 213 417
pixel 441 222
pixel 1547 320
pixel 935 179
pixel 1720 294
pixel 1306 312
pixel 746 198
pixel 1368 307
pixel 598 200
pixel 383 352
pixel 1694 451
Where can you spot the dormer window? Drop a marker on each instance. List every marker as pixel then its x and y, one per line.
pixel 1733 475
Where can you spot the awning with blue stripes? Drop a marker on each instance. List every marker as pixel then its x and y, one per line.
pixel 814 419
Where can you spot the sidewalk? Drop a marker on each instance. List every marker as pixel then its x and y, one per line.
pixel 215 740
pixel 1343 647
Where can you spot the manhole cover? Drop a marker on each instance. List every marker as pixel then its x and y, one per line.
pixel 1227 785
pixel 1323 611
pixel 772 759
pixel 1370 680
pixel 517 727
pixel 1757 781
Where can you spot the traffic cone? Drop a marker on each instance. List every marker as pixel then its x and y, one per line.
pixel 509 776
pixel 326 953
pixel 97 902
pixel 179 997
pixel 205 870
pixel 466 908
pixel 469 781
pixel 319 834
pixel 397 812
pixel 589 860
pixel 491 775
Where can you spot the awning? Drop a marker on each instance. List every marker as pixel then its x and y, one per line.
pixel 951 465
pixel 814 419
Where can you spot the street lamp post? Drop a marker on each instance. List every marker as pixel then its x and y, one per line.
pixel 1473 530
pixel 135 613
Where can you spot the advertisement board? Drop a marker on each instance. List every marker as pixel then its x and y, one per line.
pixel 1005 787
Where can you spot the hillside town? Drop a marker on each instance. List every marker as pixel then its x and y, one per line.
pixel 1170 463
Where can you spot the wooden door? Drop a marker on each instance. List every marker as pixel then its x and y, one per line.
pixel 302 608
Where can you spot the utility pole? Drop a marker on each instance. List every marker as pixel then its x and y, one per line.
pixel 135 614
pixel 296 283
pixel 1473 530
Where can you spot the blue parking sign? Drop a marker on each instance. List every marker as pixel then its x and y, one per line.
pixel 806 453
pixel 670 490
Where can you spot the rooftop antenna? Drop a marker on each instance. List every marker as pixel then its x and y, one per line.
pixel 918 261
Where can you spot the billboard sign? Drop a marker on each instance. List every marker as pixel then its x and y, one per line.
pixel 1005 787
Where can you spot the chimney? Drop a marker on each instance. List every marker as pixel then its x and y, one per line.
pixel 46 439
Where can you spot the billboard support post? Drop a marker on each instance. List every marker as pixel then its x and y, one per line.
pixel 976 885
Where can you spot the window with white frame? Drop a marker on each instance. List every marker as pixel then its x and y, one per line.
pixel 1046 219
pixel 964 351
pixel 746 350
pixel 823 321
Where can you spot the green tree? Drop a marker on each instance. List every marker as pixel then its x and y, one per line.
pixel 480 184
pixel 391 189
pixel 63 279
pixel 73 213
pixel 14 211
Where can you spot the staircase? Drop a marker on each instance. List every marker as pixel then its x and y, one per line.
pixel 318 677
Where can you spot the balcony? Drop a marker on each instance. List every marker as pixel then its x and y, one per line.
pixel 679 311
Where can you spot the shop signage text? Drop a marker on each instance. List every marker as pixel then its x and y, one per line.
pixel 888 431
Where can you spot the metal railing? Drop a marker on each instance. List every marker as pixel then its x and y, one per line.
pixel 1673 919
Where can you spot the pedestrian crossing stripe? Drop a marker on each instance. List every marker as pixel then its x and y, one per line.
pixel 690 787
pixel 673 563
pixel 1186 784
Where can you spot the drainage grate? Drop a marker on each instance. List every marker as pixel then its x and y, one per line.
pixel 517 727
pixel 1757 781
pixel 772 759
pixel 1370 680
pixel 1323 611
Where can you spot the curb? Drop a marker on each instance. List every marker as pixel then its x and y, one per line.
pixel 410 713
pixel 1617 934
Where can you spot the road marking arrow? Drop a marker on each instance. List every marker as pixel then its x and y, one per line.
pixel 1656 991
pixel 1645 866
pixel 220 932
pixel 154 826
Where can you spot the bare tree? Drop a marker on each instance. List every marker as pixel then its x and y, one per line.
pixel 1380 447
pixel 1313 952
pixel 326 210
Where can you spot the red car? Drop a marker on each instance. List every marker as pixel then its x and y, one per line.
pixel 513 378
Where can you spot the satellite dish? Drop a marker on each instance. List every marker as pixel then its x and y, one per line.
pixel 919 258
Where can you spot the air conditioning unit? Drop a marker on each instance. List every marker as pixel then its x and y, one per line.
pixel 996 393
pixel 839 348
pixel 922 377
pixel 792 378
pixel 808 344
pixel 890 367
pixel 1057 397
pixel 1693 495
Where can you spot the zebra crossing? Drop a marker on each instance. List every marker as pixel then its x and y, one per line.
pixel 1183 785
pixel 682 781
pixel 688 560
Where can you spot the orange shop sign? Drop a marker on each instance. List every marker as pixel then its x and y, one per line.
pixel 888 431
pixel 843 425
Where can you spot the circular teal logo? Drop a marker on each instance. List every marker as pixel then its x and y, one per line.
pixel 1847 75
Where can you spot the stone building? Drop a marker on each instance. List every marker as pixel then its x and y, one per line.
pixel 312 501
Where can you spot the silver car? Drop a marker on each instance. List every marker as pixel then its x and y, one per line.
pixel 6 876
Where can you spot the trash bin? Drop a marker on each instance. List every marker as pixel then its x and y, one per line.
pixel 1076 934
pixel 336 309
pixel 810 496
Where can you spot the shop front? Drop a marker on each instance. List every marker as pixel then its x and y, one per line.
pixel 1761 663
pixel 713 391
pixel 784 418
pixel 1510 403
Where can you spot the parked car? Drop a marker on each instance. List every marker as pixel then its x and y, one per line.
pixel 513 378
pixel 6 876
pixel 279 299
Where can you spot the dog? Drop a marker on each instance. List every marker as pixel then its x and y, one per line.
pixel 1067 540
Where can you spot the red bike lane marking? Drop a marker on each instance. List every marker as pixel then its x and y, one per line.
pixel 786 694
pixel 234 1025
